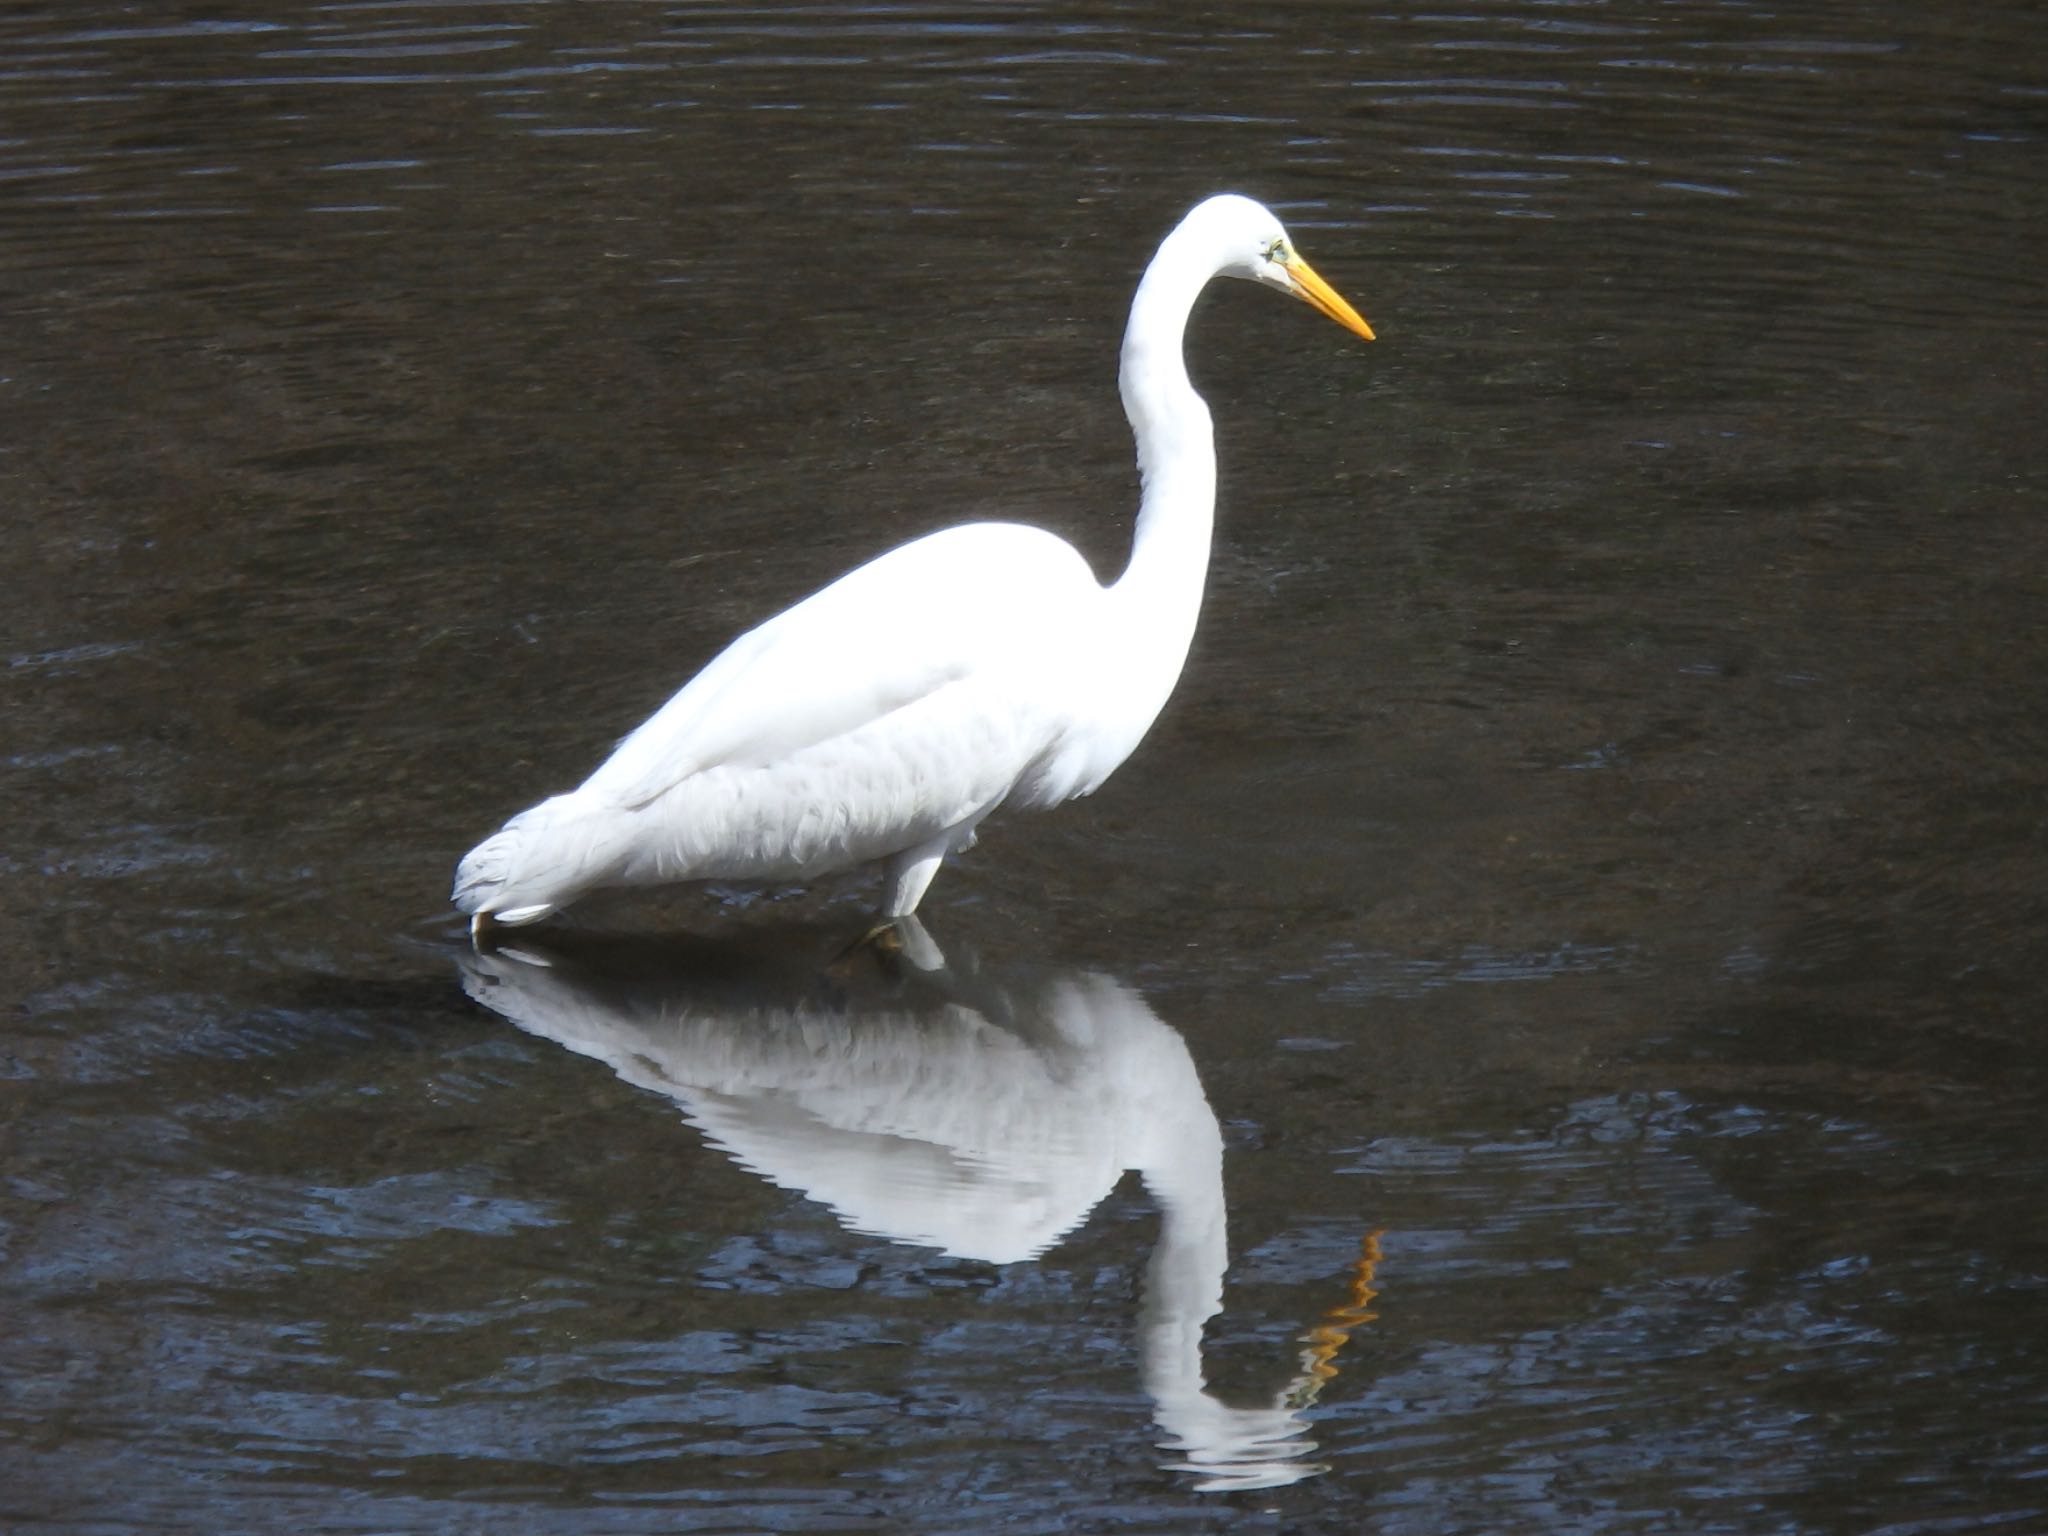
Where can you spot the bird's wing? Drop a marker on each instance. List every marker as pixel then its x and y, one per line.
pixel 885 635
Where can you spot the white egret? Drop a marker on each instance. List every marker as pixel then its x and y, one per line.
pixel 885 716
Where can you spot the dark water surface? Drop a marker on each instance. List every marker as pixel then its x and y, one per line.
pixel 1567 971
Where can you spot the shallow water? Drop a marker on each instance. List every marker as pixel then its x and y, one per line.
pixel 1566 971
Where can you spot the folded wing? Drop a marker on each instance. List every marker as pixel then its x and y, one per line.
pixel 969 602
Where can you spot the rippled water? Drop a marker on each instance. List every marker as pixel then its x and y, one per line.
pixel 1566 971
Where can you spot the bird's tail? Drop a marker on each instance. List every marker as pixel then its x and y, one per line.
pixel 541 860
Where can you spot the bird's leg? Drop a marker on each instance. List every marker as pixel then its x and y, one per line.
pixel 917 947
pixel 910 874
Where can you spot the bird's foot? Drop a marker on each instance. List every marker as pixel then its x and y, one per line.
pixel 880 938
pixel 900 940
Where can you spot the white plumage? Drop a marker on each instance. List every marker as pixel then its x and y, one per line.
pixel 884 717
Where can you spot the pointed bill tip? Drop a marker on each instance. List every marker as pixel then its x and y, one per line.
pixel 1325 299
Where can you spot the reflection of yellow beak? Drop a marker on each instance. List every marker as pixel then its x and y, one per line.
pixel 1323 297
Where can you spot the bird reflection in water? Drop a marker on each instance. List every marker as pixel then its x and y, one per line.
pixel 978 1113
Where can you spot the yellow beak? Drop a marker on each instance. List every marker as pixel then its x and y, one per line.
pixel 1323 297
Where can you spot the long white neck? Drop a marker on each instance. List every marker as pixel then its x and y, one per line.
pixel 1162 586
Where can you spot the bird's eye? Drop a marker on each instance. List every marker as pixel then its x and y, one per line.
pixel 1277 251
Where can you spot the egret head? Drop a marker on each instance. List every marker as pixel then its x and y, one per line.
pixel 1257 247
pixel 1281 268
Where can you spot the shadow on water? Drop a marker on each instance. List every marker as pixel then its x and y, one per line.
pixel 980 1112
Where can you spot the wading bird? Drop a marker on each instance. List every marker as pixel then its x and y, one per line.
pixel 882 718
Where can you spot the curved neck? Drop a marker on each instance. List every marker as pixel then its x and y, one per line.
pixel 1176 444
